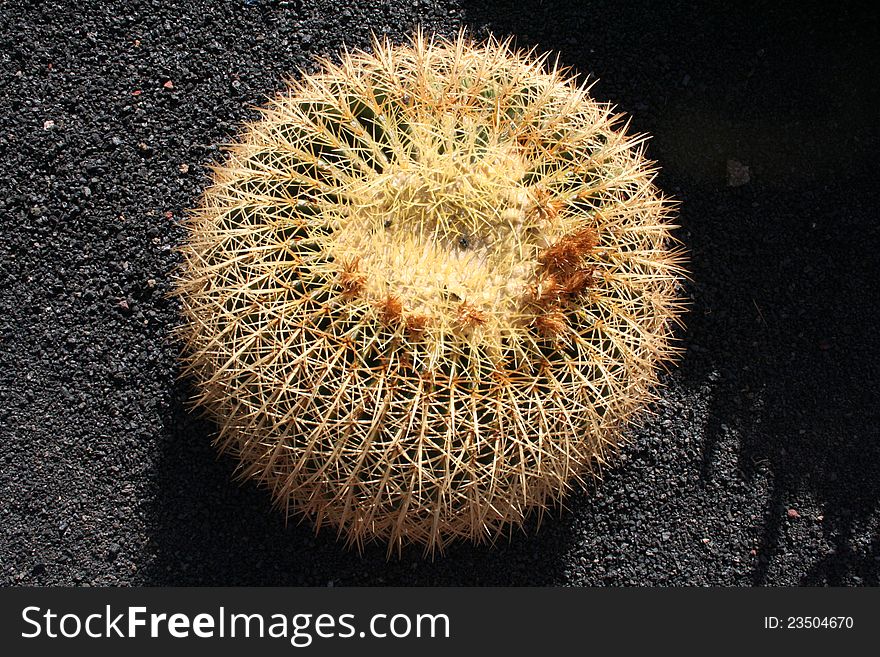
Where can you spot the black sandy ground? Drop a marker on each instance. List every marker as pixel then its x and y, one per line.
pixel 762 464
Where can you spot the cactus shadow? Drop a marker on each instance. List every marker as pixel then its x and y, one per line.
pixel 782 328
pixel 817 440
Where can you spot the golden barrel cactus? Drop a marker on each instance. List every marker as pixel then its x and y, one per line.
pixel 426 290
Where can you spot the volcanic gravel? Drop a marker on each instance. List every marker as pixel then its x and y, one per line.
pixel 761 462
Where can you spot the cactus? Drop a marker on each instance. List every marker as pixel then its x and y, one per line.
pixel 427 289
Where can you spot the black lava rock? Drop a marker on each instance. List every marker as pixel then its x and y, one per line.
pixel 113 112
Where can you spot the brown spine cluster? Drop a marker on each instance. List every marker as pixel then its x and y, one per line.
pixel 469 316
pixel 546 207
pixel 391 309
pixel 551 323
pixel 568 253
pixel 416 325
pixel 563 276
pixel 350 279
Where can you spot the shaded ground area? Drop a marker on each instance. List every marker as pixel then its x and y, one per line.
pixel 762 462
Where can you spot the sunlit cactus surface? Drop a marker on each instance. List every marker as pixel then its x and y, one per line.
pixel 426 290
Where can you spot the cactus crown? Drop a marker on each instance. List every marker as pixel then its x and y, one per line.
pixel 426 289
